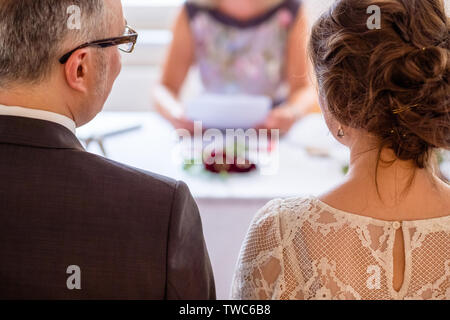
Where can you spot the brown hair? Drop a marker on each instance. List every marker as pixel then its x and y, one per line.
pixel 393 81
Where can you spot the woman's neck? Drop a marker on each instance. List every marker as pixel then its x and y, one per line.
pixel 242 9
pixel 384 180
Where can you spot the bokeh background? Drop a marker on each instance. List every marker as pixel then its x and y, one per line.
pixel 153 19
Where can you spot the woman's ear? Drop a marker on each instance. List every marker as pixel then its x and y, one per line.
pixel 76 70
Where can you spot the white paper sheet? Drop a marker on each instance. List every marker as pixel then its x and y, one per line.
pixel 229 111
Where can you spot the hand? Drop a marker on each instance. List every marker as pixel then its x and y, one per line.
pixel 282 118
pixel 182 123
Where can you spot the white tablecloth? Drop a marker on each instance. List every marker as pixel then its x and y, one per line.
pixel 152 148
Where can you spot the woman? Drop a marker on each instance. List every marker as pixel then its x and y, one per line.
pixel 384 233
pixel 251 47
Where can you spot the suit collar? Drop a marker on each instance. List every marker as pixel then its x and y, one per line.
pixel 36 133
pixel 38 114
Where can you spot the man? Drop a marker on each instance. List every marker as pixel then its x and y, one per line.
pixel 74 225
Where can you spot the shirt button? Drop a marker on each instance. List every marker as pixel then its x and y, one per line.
pixel 396 225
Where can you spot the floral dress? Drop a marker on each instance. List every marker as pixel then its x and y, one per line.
pixel 243 57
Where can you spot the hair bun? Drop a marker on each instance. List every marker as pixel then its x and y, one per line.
pixel 393 82
pixel 432 61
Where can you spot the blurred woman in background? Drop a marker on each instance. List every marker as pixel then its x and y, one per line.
pixel 254 47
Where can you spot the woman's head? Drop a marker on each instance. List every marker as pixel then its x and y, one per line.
pixel 391 82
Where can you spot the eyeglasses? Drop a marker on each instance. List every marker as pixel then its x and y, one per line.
pixel 125 43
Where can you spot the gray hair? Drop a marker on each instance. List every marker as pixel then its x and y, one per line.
pixel 35 33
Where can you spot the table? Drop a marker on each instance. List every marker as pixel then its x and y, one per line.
pixel 227 205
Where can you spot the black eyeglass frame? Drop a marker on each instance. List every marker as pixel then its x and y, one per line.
pixel 105 43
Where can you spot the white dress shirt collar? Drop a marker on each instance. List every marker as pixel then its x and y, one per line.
pixel 39 114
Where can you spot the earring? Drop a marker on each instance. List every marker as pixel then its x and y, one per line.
pixel 340 133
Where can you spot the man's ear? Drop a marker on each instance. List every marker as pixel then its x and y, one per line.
pixel 76 70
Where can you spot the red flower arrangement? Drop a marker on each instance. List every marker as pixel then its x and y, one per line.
pixel 227 164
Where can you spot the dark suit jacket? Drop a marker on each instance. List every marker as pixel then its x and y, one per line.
pixel 134 235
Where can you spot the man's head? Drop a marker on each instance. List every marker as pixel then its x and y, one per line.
pixel 35 34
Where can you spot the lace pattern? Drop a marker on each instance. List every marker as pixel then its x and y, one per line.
pixel 301 248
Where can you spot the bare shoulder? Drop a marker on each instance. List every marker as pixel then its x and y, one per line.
pixel 417 203
pixel 344 197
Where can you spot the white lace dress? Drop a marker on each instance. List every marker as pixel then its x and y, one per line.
pixel 301 248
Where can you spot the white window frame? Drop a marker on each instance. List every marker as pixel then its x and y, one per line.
pixel 151 14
